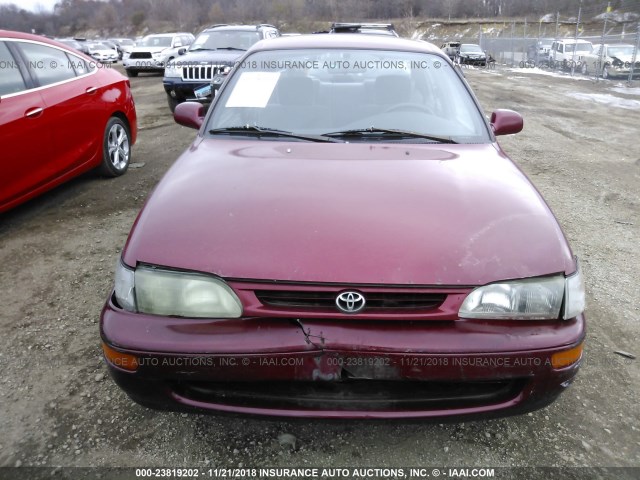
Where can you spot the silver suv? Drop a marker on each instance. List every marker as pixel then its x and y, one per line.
pixel 152 53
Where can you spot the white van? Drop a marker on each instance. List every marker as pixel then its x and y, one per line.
pixel 562 52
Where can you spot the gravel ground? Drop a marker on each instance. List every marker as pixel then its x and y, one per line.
pixel 60 408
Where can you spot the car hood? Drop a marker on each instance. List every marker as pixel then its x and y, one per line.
pixel 349 213
pixel 224 57
pixel 623 58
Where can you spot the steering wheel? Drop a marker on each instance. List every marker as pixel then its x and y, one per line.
pixel 407 107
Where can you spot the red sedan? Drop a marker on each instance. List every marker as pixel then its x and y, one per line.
pixel 345 238
pixel 61 114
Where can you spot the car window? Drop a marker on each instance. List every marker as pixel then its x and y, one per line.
pixel 80 66
pixel 222 39
pixel 155 41
pixel 320 91
pixel 11 80
pixel 48 64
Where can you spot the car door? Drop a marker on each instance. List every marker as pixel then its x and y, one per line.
pixel 72 93
pixel 24 136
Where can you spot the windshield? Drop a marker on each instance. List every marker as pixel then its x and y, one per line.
pixel 155 41
pixel 625 51
pixel 579 47
pixel 316 92
pixel 471 48
pixel 223 39
pixel 127 42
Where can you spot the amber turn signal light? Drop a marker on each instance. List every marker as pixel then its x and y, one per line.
pixel 567 357
pixel 122 360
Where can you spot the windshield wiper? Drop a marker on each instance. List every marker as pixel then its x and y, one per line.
pixel 232 48
pixel 260 131
pixel 364 132
pixel 197 49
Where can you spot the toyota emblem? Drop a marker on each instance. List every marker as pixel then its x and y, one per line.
pixel 350 302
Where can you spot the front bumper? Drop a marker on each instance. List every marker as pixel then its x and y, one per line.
pixel 481 61
pixel 144 64
pixel 182 90
pixel 336 369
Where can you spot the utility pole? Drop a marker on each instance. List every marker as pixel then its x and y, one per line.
pixel 604 31
pixel 524 45
pixel 557 23
pixel 575 38
pixel 635 54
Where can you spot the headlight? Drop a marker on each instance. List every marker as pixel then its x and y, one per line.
pixel 126 55
pixel 574 295
pixel 530 299
pixel 173 293
pixel 172 69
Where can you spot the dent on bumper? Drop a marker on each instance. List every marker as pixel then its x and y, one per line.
pixel 359 370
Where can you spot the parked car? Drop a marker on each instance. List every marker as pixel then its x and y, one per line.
pixel 213 53
pixel 610 60
pixel 123 45
pixel 60 116
pixel 102 52
pixel 472 54
pixel 567 52
pixel 367 28
pixel 84 46
pixel 345 240
pixel 452 49
pixel 79 46
pixel 153 52
pixel 539 51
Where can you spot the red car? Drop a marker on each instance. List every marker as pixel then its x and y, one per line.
pixel 345 238
pixel 61 114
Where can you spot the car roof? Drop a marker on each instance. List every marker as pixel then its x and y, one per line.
pixel 166 34
pixel 351 41
pixel 248 28
pixel 39 38
pixel 571 40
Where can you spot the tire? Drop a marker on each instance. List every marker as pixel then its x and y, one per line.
pixel 173 103
pixel 116 148
pixel 131 73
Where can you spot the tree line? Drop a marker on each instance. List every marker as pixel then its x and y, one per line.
pixel 134 17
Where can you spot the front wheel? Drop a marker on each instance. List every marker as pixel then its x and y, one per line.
pixel 116 148
pixel 173 103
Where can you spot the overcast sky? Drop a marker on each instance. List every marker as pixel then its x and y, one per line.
pixel 32 5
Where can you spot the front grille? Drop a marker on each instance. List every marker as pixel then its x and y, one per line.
pixel 140 55
pixel 375 301
pixel 366 395
pixel 201 72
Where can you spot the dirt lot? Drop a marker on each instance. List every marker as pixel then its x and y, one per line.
pixel 59 408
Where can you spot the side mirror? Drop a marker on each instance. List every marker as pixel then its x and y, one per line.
pixel 182 51
pixel 189 114
pixel 506 122
pixel 177 44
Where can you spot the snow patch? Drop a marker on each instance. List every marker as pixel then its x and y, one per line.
pixel 549 73
pixel 627 91
pixel 608 99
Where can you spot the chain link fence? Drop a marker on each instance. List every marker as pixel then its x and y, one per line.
pixel 598 42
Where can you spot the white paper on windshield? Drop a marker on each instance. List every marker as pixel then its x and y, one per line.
pixel 253 89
